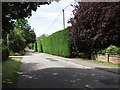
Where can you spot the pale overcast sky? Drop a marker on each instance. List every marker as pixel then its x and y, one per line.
pixel 45 15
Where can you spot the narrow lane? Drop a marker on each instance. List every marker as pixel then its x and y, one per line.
pixel 39 70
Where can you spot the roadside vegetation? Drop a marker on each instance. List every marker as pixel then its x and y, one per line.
pixel 18 39
pixel 105 63
pixel 95 26
pixel 10 72
pixel 16 31
pixel 112 50
pixel 100 62
pixel 92 30
pixel 95 29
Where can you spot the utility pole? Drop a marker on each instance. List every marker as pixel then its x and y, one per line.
pixel 63 19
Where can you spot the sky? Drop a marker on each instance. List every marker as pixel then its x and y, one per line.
pixel 43 18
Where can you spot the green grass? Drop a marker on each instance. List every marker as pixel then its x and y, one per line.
pixel 101 62
pixel 105 63
pixel 10 72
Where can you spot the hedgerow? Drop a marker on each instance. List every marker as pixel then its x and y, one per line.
pixel 57 44
pixel 35 46
pixel 39 46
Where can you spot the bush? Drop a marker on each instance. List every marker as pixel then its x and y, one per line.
pixel 5 53
pixel 35 46
pixel 12 53
pixel 112 50
pixel 81 55
pixel 57 44
pixel 101 52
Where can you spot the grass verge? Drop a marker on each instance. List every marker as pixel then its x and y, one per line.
pixel 105 63
pixel 101 62
pixel 10 72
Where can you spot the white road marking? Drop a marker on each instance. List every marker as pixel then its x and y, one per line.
pixel 18 56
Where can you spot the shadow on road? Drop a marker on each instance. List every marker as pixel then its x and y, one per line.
pixel 59 77
pixel 37 75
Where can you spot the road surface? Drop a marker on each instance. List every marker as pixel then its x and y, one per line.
pixel 39 70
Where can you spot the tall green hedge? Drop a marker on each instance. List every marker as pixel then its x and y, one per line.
pixel 35 46
pixel 57 44
pixel 39 46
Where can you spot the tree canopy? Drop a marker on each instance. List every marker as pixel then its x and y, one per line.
pixel 21 26
pixel 21 35
pixel 95 25
pixel 15 10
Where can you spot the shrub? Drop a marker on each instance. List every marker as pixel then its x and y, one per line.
pixel 112 50
pixel 57 44
pixel 82 55
pixel 12 53
pixel 5 52
pixel 101 52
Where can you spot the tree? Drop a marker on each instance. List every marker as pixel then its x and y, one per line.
pixel 95 25
pixel 22 27
pixel 15 10
pixel 113 50
pixel 32 37
pixel 21 35
pixel 17 42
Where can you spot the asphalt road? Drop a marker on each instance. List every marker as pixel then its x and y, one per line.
pixel 39 70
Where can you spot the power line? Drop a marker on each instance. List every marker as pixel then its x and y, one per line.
pixel 53 22
pixel 68 5
pixel 58 16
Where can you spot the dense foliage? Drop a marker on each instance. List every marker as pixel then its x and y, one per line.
pixel 57 44
pixel 21 36
pixel 95 25
pixel 112 50
pixel 23 28
pixel 5 52
pixel 16 42
pixel 12 11
pixel 15 10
